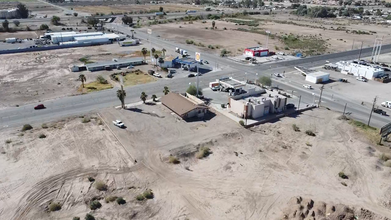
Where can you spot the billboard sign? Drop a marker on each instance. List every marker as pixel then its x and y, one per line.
pixel 385 130
pixel 198 57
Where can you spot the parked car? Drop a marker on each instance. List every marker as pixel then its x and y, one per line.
pixel 40 106
pixel 158 75
pixel 290 106
pixel 191 75
pixel 386 104
pixel 215 88
pixel 277 75
pixel 343 80
pixel 379 111
pixel 205 62
pixel 361 78
pixel 130 67
pixel 307 86
pixel 151 72
pixel 119 123
pixel 169 75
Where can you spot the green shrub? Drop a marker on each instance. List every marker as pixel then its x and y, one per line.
pixel 148 194
pixel 343 183
pixel 44 126
pixel 8 141
pixel 43 27
pixel 211 47
pixel 110 199
pixel 173 160
pixel 27 127
pixel 120 201
pixel 42 136
pixel 295 128
pixel 101 186
pixel 140 197
pixel 286 48
pixel 241 122
pixel 101 80
pixel 189 41
pixel 310 133
pixel 54 207
pixel 203 152
pixel 76 218
pixel 342 175
pixel 89 217
pixel 91 179
pixel 86 120
pixel 95 204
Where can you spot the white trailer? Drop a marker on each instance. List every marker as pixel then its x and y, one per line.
pixel 10 40
pixel 317 77
pixel 129 43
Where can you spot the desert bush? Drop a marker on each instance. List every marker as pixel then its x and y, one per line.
pixel 42 136
pixel 44 126
pixel 148 194
pixel 241 122
pixel 222 105
pixel 189 41
pixel 101 80
pixel 140 197
pixel 95 204
pixel 76 218
pixel 343 183
pixel 43 27
pixel 387 163
pixel 8 141
pixel 91 179
pixel 54 207
pixel 173 160
pixel 343 117
pixel 203 152
pixel 295 128
pixel 310 133
pixel 384 157
pixel 89 217
pixel 276 47
pixel 86 120
pixel 342 175
pixel 211 47
pixel 120 201
pixel 27 127
pixel 101 186
pixel 110 199
pixel 286 48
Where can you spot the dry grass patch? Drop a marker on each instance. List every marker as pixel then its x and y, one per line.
pixel 370 132
pixel 203 152
pixel 173 160
pixel 54 207
pixel 101 186
pixel 94 86
pixel 136 78
pixel 110 199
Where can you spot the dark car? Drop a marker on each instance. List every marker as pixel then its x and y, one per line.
pixel 191 75
pixel 379 111
pixel 290 106
pixel 40 106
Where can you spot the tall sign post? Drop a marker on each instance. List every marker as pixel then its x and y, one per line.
pixel 385 131
pixel 198 59
pixel 149 31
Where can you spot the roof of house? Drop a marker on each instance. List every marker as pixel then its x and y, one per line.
pixel 179 104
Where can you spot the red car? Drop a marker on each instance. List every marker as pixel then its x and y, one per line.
pixel 40 106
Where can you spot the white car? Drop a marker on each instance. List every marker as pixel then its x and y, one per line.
pixel 130 67
pixel 277 75
pixel 157 75
pixel 386 104
pixel 307 86
pixel 119 123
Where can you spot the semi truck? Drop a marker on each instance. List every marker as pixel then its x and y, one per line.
pixel 191 11
pixel 10 40
pixel 181 51
pixel 129 43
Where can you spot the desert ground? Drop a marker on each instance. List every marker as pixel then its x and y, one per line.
pixel 235 39
pixel 267 172
pixel 120 8
pixel 38 76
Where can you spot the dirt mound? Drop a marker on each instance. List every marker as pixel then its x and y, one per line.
pixel 308 209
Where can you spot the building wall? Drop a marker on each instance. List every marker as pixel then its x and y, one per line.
pixel 257 111
pixel 237 107
pixel 279 104
pixel 361 70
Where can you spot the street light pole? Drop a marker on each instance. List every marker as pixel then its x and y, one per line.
pixel 370 114
pixel 320 97
pixel 267 38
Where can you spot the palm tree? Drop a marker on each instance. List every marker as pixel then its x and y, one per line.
pixel 154 97
pixel 144 51
pixel 166 90
pixel 143 96
pixel 121 94
pixel 164 52
pixel 153 50
pixel 156 56
pixel 82 78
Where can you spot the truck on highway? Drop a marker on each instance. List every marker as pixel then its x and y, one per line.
pixel 159 13
pixel 129 42
pixel 191 11
pixel 10 40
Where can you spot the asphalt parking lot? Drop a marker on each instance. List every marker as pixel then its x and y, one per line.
pixel 12 46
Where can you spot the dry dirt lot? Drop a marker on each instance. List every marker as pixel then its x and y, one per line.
pixel 263 173
pixel 38 76
pixel 134 8
pixel 235 41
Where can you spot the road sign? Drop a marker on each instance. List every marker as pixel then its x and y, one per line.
pixel 198 57
pixel 149 31
pixel 385 130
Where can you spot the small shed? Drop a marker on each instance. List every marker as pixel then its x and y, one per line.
pixel 318 77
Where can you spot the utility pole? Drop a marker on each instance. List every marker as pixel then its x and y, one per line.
pixel 298 106
pixel 373 106
pixel 344 109
pixel 320 97
pixel 353 44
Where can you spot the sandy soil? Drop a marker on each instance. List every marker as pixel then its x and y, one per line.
pixel 134 8
pixel 34 77
pixel 251 174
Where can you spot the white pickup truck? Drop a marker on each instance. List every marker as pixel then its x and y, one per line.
pixel 119 123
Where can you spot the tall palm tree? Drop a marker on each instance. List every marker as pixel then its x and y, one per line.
pixel 154 97
pixel 144 51
pixel 121 94
pixel 143 96
pixel 164 52
pixel 153 50
pixel 166 90
pixel 82 78
pixel 156 56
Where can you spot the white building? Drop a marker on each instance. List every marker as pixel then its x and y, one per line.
pixel 9 13
pixel 61 37
pixel 317 77
pixel 355 69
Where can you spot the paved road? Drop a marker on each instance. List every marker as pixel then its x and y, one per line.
pixel 82 104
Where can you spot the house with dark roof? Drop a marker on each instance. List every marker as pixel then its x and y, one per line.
pixel 185 107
